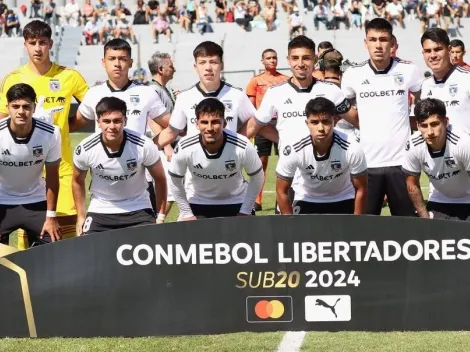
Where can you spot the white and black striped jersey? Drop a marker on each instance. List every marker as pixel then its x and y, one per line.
pixel 448 170
pixel 215 179
pixel 323 179
pixel 288 102
pixel 118 182
pixel 142 103
pixel 22 162
pixel 454 91
pixel 238 108
pixel 383 107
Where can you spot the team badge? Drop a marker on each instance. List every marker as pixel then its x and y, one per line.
pixel 54 85
pixel 228 105
pixel 78 150
pixel 230 165
pixel 399 80
pixel 287 150
pixel 450 162
pixel 453 90
pixel 135 99
pixel 131 164
pixel 336 166
pixel 37 151
pixel 407 146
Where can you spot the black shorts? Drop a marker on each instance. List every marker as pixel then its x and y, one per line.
pixel 205 211
pixel 265 145
pixel 29 217
pixel 389 181
pixel 97 222
pixel 153 201
pixel 342 207
pixel 449 211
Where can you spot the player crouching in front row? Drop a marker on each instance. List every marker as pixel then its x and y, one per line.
pixel 443 153
pixel 332 166
pixel 215 158
pixel 27 145
pixel 117 159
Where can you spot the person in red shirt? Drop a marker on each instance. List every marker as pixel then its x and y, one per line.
pixel 255 90
pixel 457 52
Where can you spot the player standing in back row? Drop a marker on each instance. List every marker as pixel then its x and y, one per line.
pixel 380 89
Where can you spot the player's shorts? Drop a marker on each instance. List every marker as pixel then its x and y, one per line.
pixel 97 222
pixel 29 217
pixel 449 211
pixel 65 202
pixel 342 207
pixel 206 211
pixel 264 145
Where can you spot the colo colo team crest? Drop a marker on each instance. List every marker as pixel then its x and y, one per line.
pixel 37 151
pixel 453 90
pixel 399 80
pixel 135 99
pixel 54 85
pixel 131 164
pixel 230 165
pixel 336 166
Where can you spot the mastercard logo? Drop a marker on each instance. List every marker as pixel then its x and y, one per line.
pixel 269 309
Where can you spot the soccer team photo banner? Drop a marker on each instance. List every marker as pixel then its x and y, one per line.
pixel 266 273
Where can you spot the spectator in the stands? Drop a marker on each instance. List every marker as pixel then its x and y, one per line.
pixel 433 9
pixel 422 13
pixel 379 7
pixel 340 14
pixel 108 26
pixel 36 9
pixel 356 13
pixel 171 10
pixel 253 8
pixel 71 14
pixel 120 7
pixel 320 14
pixel 242 18
pixel 411 5
pixel 295 23
pixel 451 11
pixel 3 8
pixel 288 5
pixel 49 10
pixel 140 13
pixel 12 24
pixel 184 20
pixel 101 9
pixel 153 7
pixel 220 10
pixel 201 17
pixel 123 27
pixel 92 30
pixel 394 12
pixel 457 53
pixel 191 12
pixel 269 14
pixel 88 11
pixel 160 25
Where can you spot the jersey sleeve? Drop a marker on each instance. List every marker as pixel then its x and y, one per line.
pixel 464 152
pixel 347 84
pixel 339 99
pixel 178 164
pixel 267 109
pixel 251 88
pixel 411 164
pixel 357 160
pixel 252 163
pixel 80 158
pixel 178 119
pixel 55 151
pixel 157 108
pixel 81 87
pixel 3 94
pixel 287 164
pixel 151 153
pixel 246 110
pixel 417 79
pixel 87 106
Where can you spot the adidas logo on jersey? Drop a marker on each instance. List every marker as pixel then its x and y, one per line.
pixel 366 82
pixel 310 167
pixel 6 152
pixel 288 101
pixel 100 167
pixel 198 166
pixel 429 93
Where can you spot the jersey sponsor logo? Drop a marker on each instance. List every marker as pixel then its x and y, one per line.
pixel 327 177
pixel 134 112
pixel 21 163
pixel 230 165
pixel 398 79
pixel 336 165
pixel 116 178
pixel 214 177
pixel 37 151
pixel 453 103
pixel 78 150
pixel 366 82
pixel 288 101
pixel 229 118
pixel 382 93
pixel 135 99
pixel 52 100
pixel 289 114
pixel 443 176
pixel 54 85
pixel 131 164
pixel 287 150
pixel 6 152
pixel 198 166
pixel 450 162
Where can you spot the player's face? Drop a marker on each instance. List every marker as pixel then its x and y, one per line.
pixel 301 62
pixel 209 68
pixel 434 131
pixel 211 128
pixel 436 55
pixel 168 70
pixel 320 126
pixel 21 111
pixel 112 125
pixel 38 49
pixel 456 55
pixel 270 60
pixel 117 63
pixel 379 45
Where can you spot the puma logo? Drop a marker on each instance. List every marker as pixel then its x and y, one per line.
pixel 322 303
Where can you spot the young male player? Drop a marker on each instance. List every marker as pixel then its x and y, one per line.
pixel 56 86
pixel 332 166
pixel 449 83
pixel 27 144
pixel 380 89
pixel 215 158
pixel 117 159
pixel 457 53
pixel 443 153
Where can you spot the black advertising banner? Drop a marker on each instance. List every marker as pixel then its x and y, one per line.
pixel 265 273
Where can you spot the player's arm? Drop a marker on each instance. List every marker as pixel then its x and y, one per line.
pixel 285 171
pixel 3 97
pixel 346 102
pixel 251 91
pixel 259 124
pixel 254 170
pixel 156 130
pixel 158 111
pixel 77 122
pixel 85 113
pixel 81 88
pixel 175 125
pixel 80 171
pixel 358 172
pixel 154 165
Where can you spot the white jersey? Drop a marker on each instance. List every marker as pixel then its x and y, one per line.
pixel 448 170
pixel 454 91
pixel 216 179
pixel 142 103
pixel 238 108
pixel 118 182
pixel 288 102
pixel 324 179
pixel 382 103
pixel 22 162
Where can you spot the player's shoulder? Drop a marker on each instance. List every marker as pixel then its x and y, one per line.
pixel 344 141
pixel 236 139
pixel 187 90
pixel 11 77
pixel 98 86
pixel 415 141
pixel 357 66
pixel 278 86
pixel 4 125
pixel 187 143
pixel 230 86
pixel 88 143
pixel 462 70
pixel 136 138
pixel 45 127
pixel 297 145
pixel 457 137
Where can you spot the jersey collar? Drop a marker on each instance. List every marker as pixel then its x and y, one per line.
pixel 383 72
pixel 327 154
pixel 302 90
pixel 121 148
pixel 21 141
pixel 119 90
pixel 446 77
pixel 219 153
pixel 210 94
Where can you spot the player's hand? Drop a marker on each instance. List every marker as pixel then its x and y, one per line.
pixel 191 218
pixel 79 226
pixel 52 227
pixel 242 214
pixel 46 115
pixel 160 221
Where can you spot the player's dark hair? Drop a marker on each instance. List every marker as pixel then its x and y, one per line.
pixel 210 106
pixel 436 35
pixel 110 104
pixel 325 45
pixel 21 91
pixel 208 48
pixel 456 43
pixel 379 25
pixel 301 41
pixel 320 106
pixel 118 44
pixel 37 29
pixel 429 107
pixel 267 51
